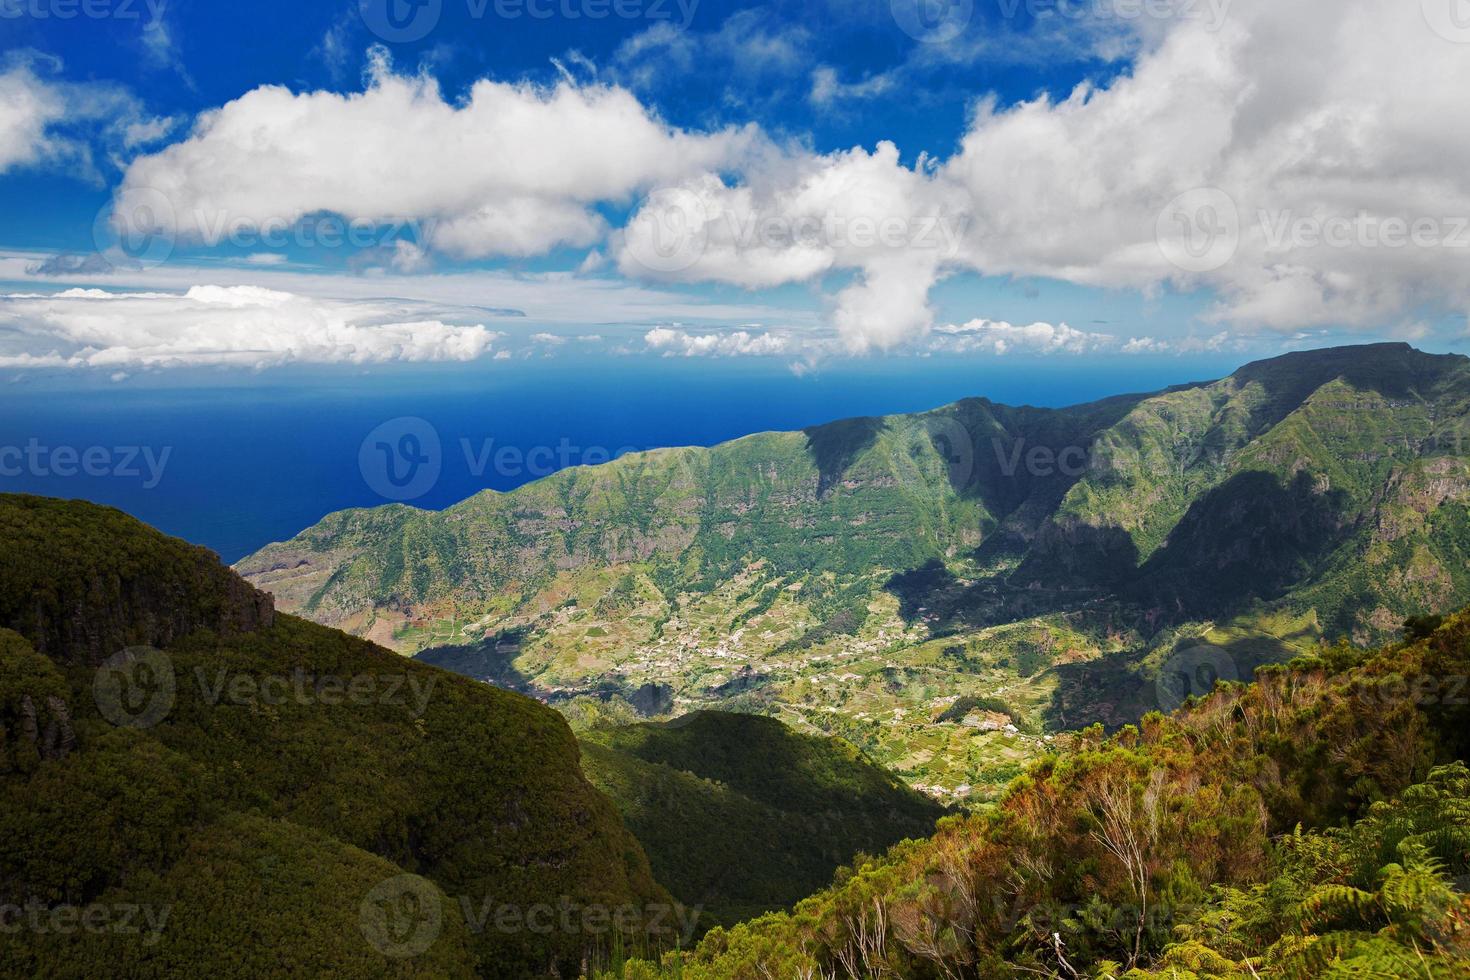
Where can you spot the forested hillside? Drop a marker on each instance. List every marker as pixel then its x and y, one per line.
pixel 283 799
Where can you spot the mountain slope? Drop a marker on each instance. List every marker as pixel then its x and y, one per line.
pixel 259 775
pixel 741 816
pixel 860 578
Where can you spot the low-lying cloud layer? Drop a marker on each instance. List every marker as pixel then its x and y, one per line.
pixel 676 342
pixel 243 326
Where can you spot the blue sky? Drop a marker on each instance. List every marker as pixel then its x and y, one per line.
pixel 245 187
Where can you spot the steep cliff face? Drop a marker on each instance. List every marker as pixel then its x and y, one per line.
pixel 82 582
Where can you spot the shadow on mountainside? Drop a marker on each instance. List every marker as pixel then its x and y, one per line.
pixel 837 445
pixel 1248 539
pixel 493 661
pixel 933 595
pixel 1120 689
pixel 1396 371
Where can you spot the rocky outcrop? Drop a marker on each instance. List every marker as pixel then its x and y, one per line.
pixel 53 740
pixel 35 718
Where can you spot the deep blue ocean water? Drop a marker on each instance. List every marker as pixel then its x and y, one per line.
pixel 236 461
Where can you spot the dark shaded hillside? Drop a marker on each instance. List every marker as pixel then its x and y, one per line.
pixel 1272 485
pixel 268 780
pixel 1249 538
pixel 1396 370
pixel 741 815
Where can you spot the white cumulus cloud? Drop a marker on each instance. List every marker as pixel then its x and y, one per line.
pixel 53 124
pixel 1330 136
pixel 1332 170
pixel 800 217
pixel 511 170
pixel 1316 109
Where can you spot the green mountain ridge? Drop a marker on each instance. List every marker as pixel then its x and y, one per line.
pixel 858 578
pixel 226 811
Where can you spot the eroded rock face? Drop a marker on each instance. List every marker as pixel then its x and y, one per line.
pixel 35 716
pixel 52 737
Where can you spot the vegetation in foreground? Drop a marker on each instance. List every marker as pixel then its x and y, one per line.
pixel 1314 823
pixel 231 808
